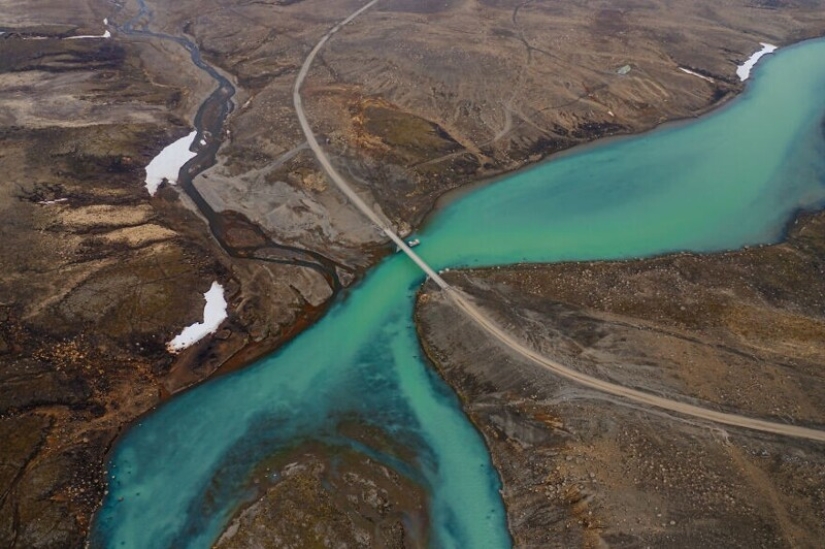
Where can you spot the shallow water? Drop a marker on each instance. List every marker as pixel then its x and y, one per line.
pixel 732 178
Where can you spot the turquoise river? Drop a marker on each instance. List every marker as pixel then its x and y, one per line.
pixel 732 178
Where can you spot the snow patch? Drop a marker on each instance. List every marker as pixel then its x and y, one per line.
pixel 106 34
pixel 214 312
pixel 168 163
pixel 55 201
pixel 702 76
pixel 743 71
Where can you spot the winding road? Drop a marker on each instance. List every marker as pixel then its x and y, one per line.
pixel 483 321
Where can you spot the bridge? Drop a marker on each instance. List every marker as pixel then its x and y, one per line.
pixel 333 174
pixel 483 321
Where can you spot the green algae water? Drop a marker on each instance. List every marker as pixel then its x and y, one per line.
pixel 732 178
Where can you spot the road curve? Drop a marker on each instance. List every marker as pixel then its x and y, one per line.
pixel 487 324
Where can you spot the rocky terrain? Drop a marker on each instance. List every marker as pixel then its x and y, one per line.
pixel 417 98
pixel 742 332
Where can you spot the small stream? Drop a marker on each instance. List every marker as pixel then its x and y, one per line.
pixel 209 124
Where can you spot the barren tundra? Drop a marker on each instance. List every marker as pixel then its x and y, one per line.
pixel 416 98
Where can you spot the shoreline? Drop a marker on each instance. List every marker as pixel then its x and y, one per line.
pixel 454 194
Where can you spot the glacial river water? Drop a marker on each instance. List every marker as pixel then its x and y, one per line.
pixel 732 178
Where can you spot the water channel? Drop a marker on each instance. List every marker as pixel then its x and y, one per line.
pixel 732 178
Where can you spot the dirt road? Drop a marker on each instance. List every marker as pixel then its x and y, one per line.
pixel 625 392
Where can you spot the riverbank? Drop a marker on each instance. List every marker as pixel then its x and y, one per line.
pixel 739 331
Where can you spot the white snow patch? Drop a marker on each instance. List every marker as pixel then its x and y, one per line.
pixel 106 34
pixel 214 312
pixel 203 142
pixel 702 76
pixel 168 163
pixel 55 201
pixel 743 71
